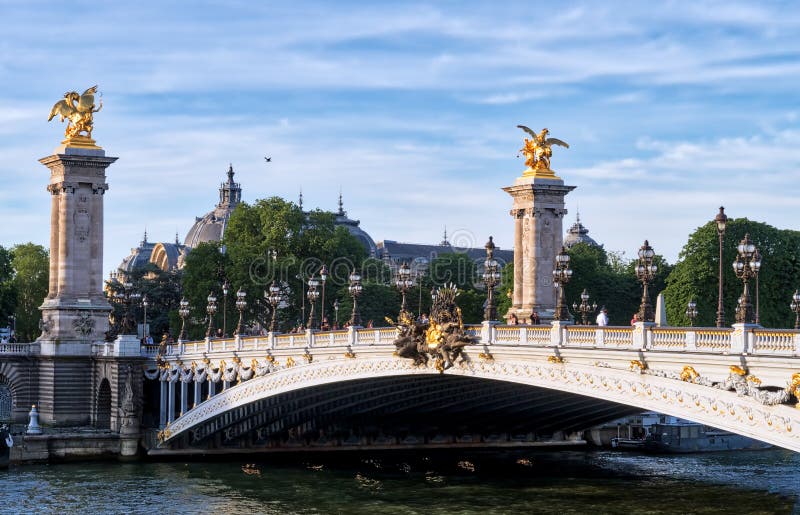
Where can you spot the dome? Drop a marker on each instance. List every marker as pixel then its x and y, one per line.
pixel 578 234
pixel 138 257
pixel 211 226
pixel 353 227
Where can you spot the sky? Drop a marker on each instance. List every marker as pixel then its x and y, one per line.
pixel 671 109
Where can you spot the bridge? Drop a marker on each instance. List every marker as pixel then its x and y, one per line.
pixel 519 385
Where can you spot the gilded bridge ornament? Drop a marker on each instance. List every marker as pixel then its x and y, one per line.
pixel 538 152
pixel 442 338
pixel 79 111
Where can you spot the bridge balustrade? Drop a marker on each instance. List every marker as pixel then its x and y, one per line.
pixel 16 349
pixel 712 340
pixel 775 342
pixel 668 339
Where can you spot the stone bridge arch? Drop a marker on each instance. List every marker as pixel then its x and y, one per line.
pixel 778 425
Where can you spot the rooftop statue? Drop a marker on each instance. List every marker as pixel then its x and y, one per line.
pixel 537 149
pixel 80 115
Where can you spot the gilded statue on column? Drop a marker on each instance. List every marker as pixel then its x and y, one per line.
pixel 78 110
pixel 538 151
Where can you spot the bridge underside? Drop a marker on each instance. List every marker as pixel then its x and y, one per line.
pixel 401 411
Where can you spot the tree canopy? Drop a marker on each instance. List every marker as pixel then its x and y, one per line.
pixel 696 274
pixel 31 265
pixel 272 239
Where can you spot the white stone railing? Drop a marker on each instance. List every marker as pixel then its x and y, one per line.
pixel 740 339
pixel 16 349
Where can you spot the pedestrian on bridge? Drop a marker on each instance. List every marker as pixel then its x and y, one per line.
pixel 602 317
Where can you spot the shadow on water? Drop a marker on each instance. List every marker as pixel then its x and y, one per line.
pixel 421 482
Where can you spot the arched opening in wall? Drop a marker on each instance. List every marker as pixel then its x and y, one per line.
pixel 6 401
pixel 103 417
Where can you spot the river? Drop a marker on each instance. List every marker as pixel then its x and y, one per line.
pixel 424 483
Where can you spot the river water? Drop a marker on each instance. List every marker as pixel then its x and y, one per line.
pixel 424 483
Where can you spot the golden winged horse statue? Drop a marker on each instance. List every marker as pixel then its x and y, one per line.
pixel 79 115
pixel 537 149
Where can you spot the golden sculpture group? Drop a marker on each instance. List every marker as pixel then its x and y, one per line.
pixel 442 337
pixel 78 110
pixel 538 152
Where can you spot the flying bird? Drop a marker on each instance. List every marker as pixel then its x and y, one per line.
pixel 267 159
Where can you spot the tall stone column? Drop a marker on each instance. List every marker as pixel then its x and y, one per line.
pixel 75 311
pixel 538 208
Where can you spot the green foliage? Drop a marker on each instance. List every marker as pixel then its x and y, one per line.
pixel 610 281
pixel 696 274
pixel 273 239
pixel 8 291
pixel 505 291
pixel 460 269
pixel 31 265
pixel 201 275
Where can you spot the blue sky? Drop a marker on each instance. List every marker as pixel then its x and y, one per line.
pixel 671 109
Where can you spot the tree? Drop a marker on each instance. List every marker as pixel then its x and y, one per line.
pixel 273 239
pixel 458 268
pixel 31 264
pixel 610 281
pixel 201 275
pixel 696 274
pixel 8 292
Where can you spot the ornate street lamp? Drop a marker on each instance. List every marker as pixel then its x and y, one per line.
pixel 355 289
pixel 274 299
pixel 336 311
pixel 145 303
pixel 561 276
pixel 403 283
pixel 302 297
pixel 127 296
pixel 323 276
pixel 225 289
pixel 211 309
pixel 183 312
pixel 795 306
pixel 721 220
pixel 757 259
pixel 241 305
pixel 491 277
pixel 746 266
pixel 585 309
pixel 645 272
pixel 691 312
pixel 313 295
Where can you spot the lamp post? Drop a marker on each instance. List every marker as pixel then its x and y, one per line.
pixel 355 289
pixel 274 299
pixel 313 295
pixel 241 305
pixel 490 277
pixel 645 272
pixel 225 288
pixel 127 296
pixel 323 276
pixel 561 276
pixel 403 283
pixel 336 312
pixel 145 303
pixel 746 266
pixel 691 312
pixel 302 297
pixel 757 259
pixel 211 309
pixel 183 312
pixel 721 220
pixel 795 306
pixel 585 309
